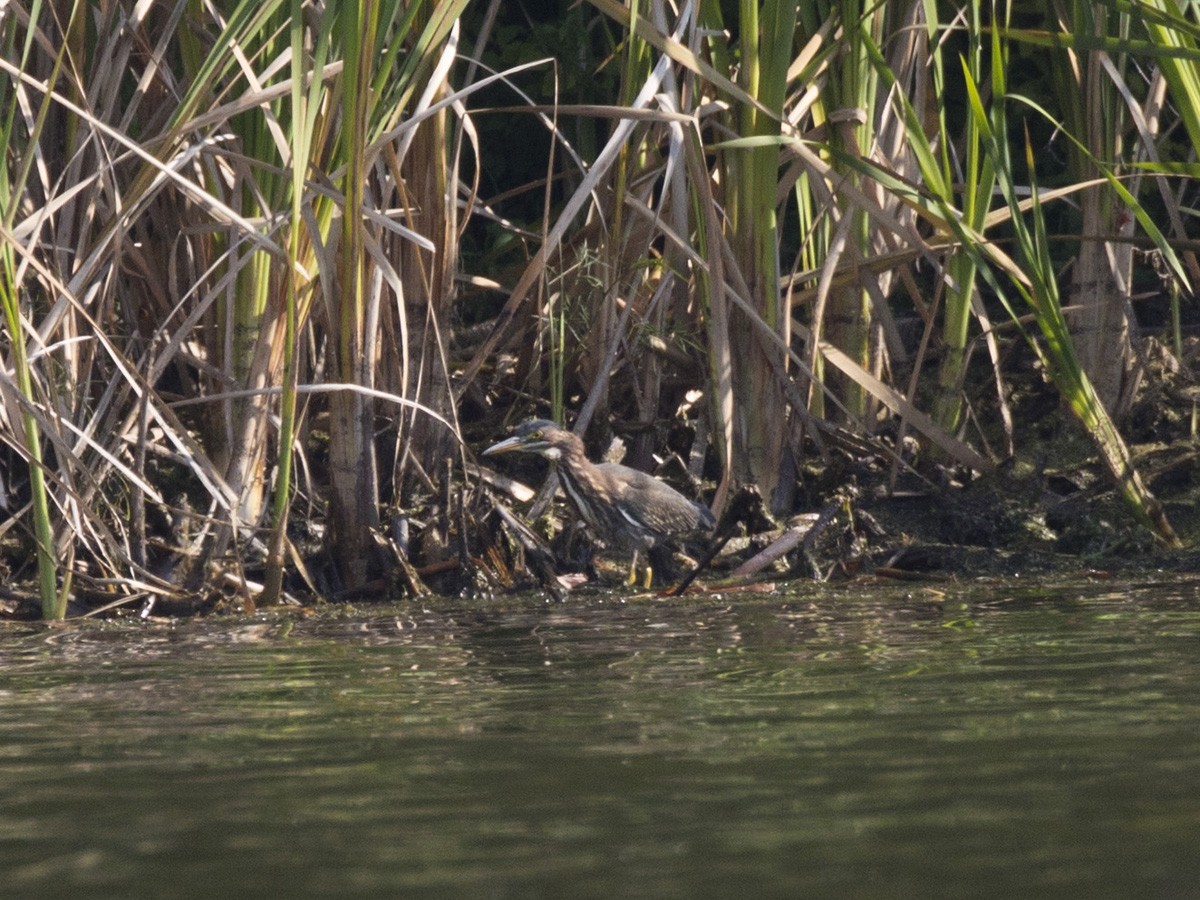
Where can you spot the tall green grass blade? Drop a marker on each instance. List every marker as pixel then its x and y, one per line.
pixel 1039 288
pixel 303 120
pixel 23 151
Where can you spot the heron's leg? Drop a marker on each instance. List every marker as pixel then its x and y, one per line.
pixel 633 567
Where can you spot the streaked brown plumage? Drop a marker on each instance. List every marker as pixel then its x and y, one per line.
pixel 623 507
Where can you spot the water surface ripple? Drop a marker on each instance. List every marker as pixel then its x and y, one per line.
pixel 991 740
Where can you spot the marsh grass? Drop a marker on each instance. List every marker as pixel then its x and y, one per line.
pixel 231 267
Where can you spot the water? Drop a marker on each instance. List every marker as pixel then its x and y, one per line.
pixel 988 740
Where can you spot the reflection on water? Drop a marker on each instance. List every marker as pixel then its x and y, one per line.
pixel 856 742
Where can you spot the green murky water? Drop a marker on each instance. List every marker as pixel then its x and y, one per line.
pixel 866 742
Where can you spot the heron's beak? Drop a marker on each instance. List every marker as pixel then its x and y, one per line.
pixel 506 446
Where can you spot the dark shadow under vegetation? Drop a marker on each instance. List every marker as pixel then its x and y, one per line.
pixel 866 512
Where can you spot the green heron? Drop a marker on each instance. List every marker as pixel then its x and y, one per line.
pixel 622 506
